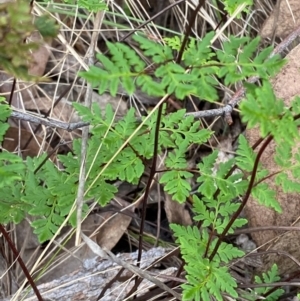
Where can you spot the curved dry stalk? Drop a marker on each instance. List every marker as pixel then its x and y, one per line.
pixel 85 131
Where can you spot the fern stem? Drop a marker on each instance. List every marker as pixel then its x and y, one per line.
pixel 188 31
pixel 12 91
pixel 21 263
pixel 148 186
pixel 245 199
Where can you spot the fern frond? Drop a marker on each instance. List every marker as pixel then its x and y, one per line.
pixel 245 155
pixel 5 112
pixel 50 201
pixel 264 109
pixel 227 252
pixel 232 5
pixel 270 277
pixel 236 60
pixel 211 181
pixel 159 53
pixel 264 195
pixel 200 51
pixel 12 208
pixel 176 184
pixel 102 192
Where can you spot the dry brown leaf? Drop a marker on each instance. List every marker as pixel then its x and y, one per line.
pixel 286 86
pixel 16 139
pixel 111 232
pixel 283 20
pixel 40 56
pixel 113 226
pixel 176 212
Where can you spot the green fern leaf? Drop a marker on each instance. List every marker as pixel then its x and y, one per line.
pixel 127 166
pixel 11 168
pixel 289 127
pixel 227 252
pixel 232 5
pixel 172 76
pixel 286 183
pixel 176 184
pixel 83 111
pixel 237 64
pixel 245 155
pixel 206 83
pixel 205 278
pixel 52 201
pixel 201 52
pixel 264 109
pixel 202 212
pixel 126 126
pixel 248 50
pixel 150 86
pixel 12 208
pixel 265 196
pixel 239 223
pixel 284 155
pixel 263 56
pixel 193 293
pixel 159 53
pixel 122 68
pixel 176 180
pixel 43 229
pixel 173 42
pixel 207 187
pixel 5 112
pixel 224 282
pixel 183 89
pixel 102 192
pixel 211 280
pixel 270 277
pixel 143 145
pixel 295 105
pixel 232 185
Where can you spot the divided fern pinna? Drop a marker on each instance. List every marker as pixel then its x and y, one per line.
pixel 48 193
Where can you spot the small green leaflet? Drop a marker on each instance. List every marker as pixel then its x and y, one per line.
pixel 271 276
pixel 245 155
pixel 232 5
pixel 176 184
pixel 266 196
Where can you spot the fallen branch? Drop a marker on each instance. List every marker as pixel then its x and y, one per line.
pixel 48 121
pixel 88 281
